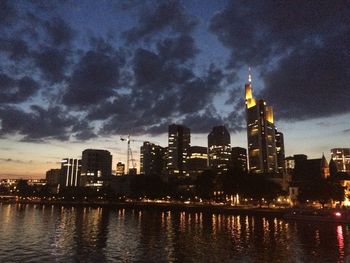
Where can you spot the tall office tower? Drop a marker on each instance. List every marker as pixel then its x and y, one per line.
pixel 179 139
pixel 280 152
pixel 239 159
pixel 219 149
pixel 70 172
pixel 341 157
pixel 96 167
pixel 151 159
pixel 261 134
pixel 197 160
pixel 120 169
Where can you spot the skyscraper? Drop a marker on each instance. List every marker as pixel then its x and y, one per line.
pixel 219 149
pixel 179 139
pixel 341 157
pixel 151 159
pixel 261 134
pixel 70 172
pixel 280 152
pixel 239 159
pixel 96 167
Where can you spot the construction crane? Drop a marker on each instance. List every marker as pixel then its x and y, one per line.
pixel 129 157
pixel 128 154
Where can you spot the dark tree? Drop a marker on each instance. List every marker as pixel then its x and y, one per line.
pixel 205 184
pixel 258 186
pixel 148 185
pixel 233 182
pixel 322 191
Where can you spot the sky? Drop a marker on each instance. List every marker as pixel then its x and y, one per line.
pixel 80 74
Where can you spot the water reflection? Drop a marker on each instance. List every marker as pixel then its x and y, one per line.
pixel 81 234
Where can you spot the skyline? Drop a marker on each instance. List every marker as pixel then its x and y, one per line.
pixel 78 76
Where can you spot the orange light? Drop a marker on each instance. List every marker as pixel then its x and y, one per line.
pixel 337 214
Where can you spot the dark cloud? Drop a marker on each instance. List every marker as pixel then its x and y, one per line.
pixel 180 48
pixel 16 90
pixel 167 15
pixel 52 63
pixel 121 105
pixel 257 30
pixel 83 131
pixel 312 81
pixel 36 125
pixel 93 79
pixel 147 67
pixel 16 49
pixel 7 13
pixel 10 160
pixel 203 122
pixel 155 101
pixel 299 47
pixel 59 32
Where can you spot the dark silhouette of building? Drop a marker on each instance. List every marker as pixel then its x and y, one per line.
pixel 179 139
pixel 197 160
pixel 96 167
pixel 261 134
pixel 53 177
pixel 280 152
pixel 219 149
pixel 70 172
pixel 308 170
pixel 239 159
pixel 151 159
pixel 341 157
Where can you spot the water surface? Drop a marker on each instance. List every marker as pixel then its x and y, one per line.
pixel 45 233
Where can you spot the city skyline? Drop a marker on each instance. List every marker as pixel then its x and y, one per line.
pixel 72 79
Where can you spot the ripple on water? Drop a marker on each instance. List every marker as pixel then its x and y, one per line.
pixel 58 234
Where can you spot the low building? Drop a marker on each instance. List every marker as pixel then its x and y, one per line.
pixel 120 169
pixel 197 161
pixel 53 177
pixel 70 172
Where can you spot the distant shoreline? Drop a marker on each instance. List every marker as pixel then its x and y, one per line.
pixel 163 206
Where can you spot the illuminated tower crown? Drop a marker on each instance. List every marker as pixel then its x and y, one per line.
pixel 249 99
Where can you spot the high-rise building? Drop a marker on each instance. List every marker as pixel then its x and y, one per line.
pixel 151 159
pixel 341 157
pixel 219 149
pixel 179 139
pixel 261 134
pixel 120 169
pixel 197 160
pixel 96 167
pixel 239 159
pixel 280 152
pixel 53 177
pixel 70 172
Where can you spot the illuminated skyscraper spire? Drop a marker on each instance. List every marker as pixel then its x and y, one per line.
pixel 249 99
pixel 250 75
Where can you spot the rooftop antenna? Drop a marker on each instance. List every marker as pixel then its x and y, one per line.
pixel 250 75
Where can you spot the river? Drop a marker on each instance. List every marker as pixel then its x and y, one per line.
pixel 46 233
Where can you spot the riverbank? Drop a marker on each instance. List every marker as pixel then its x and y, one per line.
pixel 167 206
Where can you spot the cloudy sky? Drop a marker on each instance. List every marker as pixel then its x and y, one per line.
pixel 80 74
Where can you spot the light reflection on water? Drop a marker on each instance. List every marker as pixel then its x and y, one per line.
pixel 38 233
